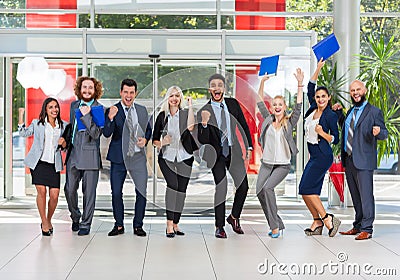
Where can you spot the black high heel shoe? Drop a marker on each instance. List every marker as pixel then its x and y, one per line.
pixel 169 234
pixel 317 230
pixel 178 232
pixel 45 233
pixel 335 224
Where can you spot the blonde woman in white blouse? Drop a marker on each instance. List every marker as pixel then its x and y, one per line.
pixel 44 158
pixel 276 139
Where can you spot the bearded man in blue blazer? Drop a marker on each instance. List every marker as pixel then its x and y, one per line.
pixel 361 128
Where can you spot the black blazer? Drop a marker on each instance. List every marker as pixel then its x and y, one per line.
pixel 210 136
pixel 187 140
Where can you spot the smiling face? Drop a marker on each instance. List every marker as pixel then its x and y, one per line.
pixel 278 106
pixel 128 95
pixel 322 98
pixel 357 92
pixel 217 89
pixel 174 99
pixel 52 110
pixel 87 90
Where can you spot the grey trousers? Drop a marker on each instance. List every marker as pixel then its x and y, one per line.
pixel 269 176
pixel 89 184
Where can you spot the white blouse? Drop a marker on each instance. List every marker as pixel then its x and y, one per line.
pixel 51 136
pixel 175 151
pixel 276 148
pixel 311 134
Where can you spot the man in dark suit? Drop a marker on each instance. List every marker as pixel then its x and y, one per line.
pixel 83 158
pixel 220 118
pixel 361 128
pixel 128 124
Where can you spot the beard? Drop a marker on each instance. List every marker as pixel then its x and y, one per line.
pixel 359 103
pixel 87 99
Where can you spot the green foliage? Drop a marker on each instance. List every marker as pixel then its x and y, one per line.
pixel 328 78
pixel 12 20
pixel 380 70
pixel 131 21
pixel 321 25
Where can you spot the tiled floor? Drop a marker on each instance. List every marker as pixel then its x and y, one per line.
pixel 25 254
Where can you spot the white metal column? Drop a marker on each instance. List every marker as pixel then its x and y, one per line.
pixel 346 25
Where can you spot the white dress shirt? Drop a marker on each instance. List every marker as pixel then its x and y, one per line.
pixel 175 150
pixel 51 136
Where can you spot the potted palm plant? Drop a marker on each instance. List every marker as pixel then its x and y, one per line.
pixel 380 69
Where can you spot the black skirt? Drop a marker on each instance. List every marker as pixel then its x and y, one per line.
pixel 45 174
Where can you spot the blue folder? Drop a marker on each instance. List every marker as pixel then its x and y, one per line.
pixel 79 123
pixel 269 65
pixel 326 48
pixel 98 115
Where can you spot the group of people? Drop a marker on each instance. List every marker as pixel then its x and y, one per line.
pixel 128 125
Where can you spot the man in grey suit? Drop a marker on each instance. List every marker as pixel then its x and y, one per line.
pixel 361 128
pixel 128 124
pixel 83 157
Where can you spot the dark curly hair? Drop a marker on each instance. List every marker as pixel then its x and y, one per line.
pixel 98 87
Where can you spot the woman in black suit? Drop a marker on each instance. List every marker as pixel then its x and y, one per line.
pixel 320 131
pixel 172 137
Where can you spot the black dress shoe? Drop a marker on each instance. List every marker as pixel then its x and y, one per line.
pixel 178 232
pixel 75 226
pixel 116 231
pixel 235 224
pixel 220 232
pixel 84 231
pixel 139 231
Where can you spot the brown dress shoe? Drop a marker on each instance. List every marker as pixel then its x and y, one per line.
pixel 353 231
pixel 364 235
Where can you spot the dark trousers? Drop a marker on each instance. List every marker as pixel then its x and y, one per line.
pixel 117 177
pixel 177 176
pixel 238 172
pixel 361 189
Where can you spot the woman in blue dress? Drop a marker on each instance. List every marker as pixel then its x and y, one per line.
pixel 321 131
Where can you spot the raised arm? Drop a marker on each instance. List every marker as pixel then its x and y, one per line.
pixel 190 120
pixel 261 106
pixel 320 64
pixel 299 75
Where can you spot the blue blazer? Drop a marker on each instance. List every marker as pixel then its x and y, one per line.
pixel 364 142
pixel 116 127
pixel 328 121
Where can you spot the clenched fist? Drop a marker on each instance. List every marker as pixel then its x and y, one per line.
pixel 205 117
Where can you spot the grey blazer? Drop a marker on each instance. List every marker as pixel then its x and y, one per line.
pixel 84 154
pixel 287 131
pixel 36 151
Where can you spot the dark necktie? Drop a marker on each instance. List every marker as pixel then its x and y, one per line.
pixel 350 133
pixel 224 133
pixel 132 138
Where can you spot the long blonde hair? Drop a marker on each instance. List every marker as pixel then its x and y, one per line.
pixel 283 122
pixel 165 105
